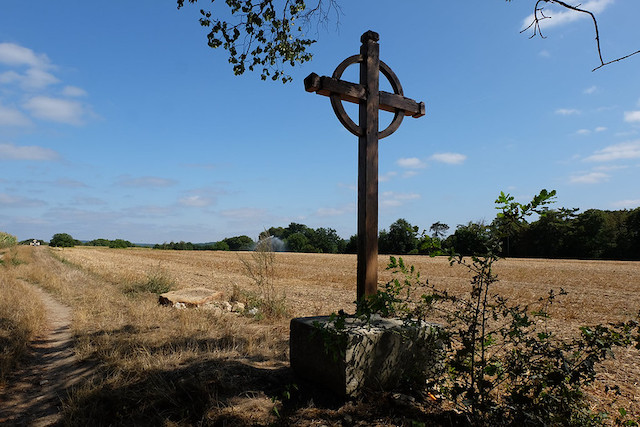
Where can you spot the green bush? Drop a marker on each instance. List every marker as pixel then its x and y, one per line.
pixel 7 240
pixel 62 240
pixel 504 364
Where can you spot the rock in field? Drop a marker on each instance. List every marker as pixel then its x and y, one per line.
pixel 193 297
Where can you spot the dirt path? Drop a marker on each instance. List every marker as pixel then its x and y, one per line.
pixel 33 394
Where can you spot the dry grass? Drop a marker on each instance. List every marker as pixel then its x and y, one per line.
pixel 160 365
pixel 22 314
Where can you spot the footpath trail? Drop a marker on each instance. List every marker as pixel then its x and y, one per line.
pixel 34 392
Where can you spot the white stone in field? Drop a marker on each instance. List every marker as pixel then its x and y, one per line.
pixel 192 297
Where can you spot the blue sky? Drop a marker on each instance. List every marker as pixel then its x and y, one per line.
pixel 117 120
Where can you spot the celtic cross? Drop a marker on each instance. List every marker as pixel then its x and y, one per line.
pixel 370 100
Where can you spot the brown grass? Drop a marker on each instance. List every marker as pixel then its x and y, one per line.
pixel 164 366
pixel 22 314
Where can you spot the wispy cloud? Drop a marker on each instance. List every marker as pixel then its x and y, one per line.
pixel 12 117
pixel 393 199
pixel 567 111
pixel 30 76
pixel 632 116
pixel 145 182
pixel 73 91
pixel 196 201
pixel 625 150
pixel 558 17
pixel 449 158
pixel 13 54
pixel 583 132
pixel 9 201
pixel 200 198
pixel 56 110
pixel 626 204
pixel 590 90
pixel 387 176
pixel 26 152
pixel 589 178
pixel 411 163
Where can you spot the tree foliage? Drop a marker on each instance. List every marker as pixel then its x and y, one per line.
pixel 62 240
pixel 263 35
pixel 266 35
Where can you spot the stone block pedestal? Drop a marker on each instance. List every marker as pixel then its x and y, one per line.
pixel 363 356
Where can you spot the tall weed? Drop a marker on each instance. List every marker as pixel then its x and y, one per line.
pixel 260 267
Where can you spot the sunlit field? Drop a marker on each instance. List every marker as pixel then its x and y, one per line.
pixel 193 366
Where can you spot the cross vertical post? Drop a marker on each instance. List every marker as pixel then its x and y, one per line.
pixel 367 276
pixel 371 100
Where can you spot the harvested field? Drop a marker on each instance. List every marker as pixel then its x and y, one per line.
pixel 238 366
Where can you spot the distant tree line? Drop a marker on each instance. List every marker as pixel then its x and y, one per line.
pixel 65 240
pixel 557 233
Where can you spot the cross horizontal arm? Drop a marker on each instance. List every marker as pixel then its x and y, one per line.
pixel 352 92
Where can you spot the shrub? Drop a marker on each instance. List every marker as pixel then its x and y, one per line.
pixel 504 364
pixel 260 268
pixel 7 240
pixel 62 240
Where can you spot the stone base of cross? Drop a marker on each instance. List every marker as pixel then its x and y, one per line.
pixel 366 93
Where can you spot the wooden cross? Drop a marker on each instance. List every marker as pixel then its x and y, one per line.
pixel 370 100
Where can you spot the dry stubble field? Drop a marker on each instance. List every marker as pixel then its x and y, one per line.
pixel 233 367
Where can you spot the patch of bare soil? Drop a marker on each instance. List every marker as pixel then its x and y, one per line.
pixel 33 394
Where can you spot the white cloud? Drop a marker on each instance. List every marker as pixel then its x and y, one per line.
pixel 589 178
pixel 449 158
pixel 73 91
pixel 32 79
pixel 544 54
pixel 583 131
pixel 627 204
pixel 600 129
pixel 13 54
pixel 590 90
pixel 632 116
pixel 409 174
pixel 12 117
pixel 411 163
pixel 55 109
pixel 625 150
pixel 392 199
pixel 37 79
pixel 567 111
pixel 145 181
pixel 26 152
pixel 561 16
pixel 610 167
pixel 196 201
pixel 387 176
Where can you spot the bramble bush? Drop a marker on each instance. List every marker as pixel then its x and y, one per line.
pixel 504 364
